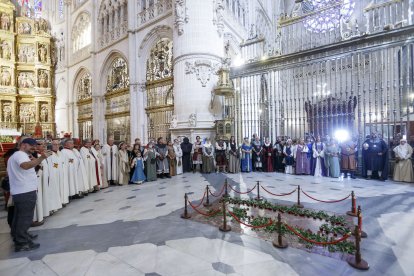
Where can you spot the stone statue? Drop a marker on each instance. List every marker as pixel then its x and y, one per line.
pixel 43 79
pixel 174 121
pixel 7 113
pixel 5 50
pixel 44 114
pixel 24 28
pixel 42 53
pixel 192 120
pixel 5 21
pixel 181 16
pixel 5 77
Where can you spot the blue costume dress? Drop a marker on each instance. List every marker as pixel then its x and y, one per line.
pixel 246 160
pixel 138 175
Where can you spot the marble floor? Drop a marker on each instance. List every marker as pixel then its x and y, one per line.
pixel 137 230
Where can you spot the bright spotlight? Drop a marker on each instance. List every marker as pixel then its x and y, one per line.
pixel 341 135
pixel 238 61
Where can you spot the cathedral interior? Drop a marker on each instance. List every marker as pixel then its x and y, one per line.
pixel 127 69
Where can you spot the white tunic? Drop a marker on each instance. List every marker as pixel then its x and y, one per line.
pixel 58 164
pixel 70 171
pixel 81 173
pixel 38 213
pixel 52 176
pixel 110 154
pixel 179 157
pixel 91 167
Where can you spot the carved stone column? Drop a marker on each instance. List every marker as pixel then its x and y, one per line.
pixel 195 67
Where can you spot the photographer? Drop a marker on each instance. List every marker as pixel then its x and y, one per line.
pixel 23 188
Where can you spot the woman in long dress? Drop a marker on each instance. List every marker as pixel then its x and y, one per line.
pixel 288 152
pixel 302 161
pixel 332 158
pixel 171 158
pixel 403 169
pixel 123 165
pixel 178 156
pixel 246 159
pixel 208 156
pixel 268 156
pixel 197 152
pixel 234 156
pixel 138 163
pixel 318 149
pixel 104 183
pixel 150 155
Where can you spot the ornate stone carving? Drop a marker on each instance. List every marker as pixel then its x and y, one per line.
pixel 5 21
pixel 203 70
pixel 85 87
pixel 26 53
pixel 42 52
pixel 181 15
pixel 192 120
pixel 118 77
pixel 174 121
pixel 24 28
pixel 159 64
pixel 5 76
pixel 26 80
pixel 43 78
pixel 27 113
pixel 218 16
pixel 7 112
pixel 5 50
pixel 44 113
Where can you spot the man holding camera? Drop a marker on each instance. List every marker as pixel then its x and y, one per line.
pixel 23 188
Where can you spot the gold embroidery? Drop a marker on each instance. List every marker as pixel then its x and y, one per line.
pixel 71 160
pixel 55 165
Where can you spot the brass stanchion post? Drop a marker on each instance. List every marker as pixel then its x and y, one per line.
pixel 226 192
pixel 298 204
pixel 207 203
pixel 185 215
pixel 353 212
pixel 280 243
pixel 357 261
pixel 258 198
pixel 224 227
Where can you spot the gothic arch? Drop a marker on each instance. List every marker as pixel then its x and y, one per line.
pixel 81 31
pixel 110 58
pixel 78 75
pixel 151 38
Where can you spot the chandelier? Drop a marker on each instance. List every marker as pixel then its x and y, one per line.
pixel 327 14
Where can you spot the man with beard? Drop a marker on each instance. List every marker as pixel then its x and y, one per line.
pixel 163 167
pixel 278 155
pixel 72 175
pixel 186 147
pixel 375 158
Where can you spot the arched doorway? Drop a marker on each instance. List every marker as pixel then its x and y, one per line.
pixel 84 105
pixel 159 87
pixel 117 98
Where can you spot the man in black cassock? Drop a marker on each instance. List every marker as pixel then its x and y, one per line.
pixel 186 146
pixel 375 156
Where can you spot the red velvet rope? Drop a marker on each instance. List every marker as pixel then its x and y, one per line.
pixel 204 214
pixel 251 226
pixel 242 193
pixel 316 242
pixel 221 192
pixel 325 201
pixel 201 200
pixel 267 191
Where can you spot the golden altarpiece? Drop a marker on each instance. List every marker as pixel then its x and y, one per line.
pixel 26 67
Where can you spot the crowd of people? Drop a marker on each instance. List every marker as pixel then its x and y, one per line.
pixel 65 171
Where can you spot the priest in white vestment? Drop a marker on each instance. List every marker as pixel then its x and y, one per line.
pixel 403 168
pixel 82 174
pixel 52 184
pixel 178 156
pixel 90 160
pixel 104 181
pixel 38 213
pixel 110 154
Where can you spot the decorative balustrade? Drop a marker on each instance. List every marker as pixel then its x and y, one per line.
pixel 159 8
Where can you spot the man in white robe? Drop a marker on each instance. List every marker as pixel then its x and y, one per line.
pixel 403 168
pixel 91 163
pixel 110 154
pixel 52 183
pixel 82 174
pixel 71 166
pixel 38 213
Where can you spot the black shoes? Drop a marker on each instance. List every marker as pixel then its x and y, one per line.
pixel 26 247
pixel 32 236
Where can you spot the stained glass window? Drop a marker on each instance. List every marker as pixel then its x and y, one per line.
pixel 60 9
pixel 329 18
pixel 31 8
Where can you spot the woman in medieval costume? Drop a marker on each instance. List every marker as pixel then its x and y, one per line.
pixel 178 156
pixel 301 156
pixel 403 169
pixel 288 150
pixel 123 165
pixel 318 168
pixel 234 156
pixel 268 156
pixel 246 159
pixel 348 158
pixel 278 165
pixel 257 154
pixel 171 159
pixel 150 156
pixel 208 156
pixel 197 152
pixel 332 158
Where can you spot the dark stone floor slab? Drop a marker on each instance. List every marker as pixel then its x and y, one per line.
pixel 223 268
pixel 161 195
pixel 161 204
pixel 97 200
pixel 131 197
pixel 125 207
pixel 86 211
